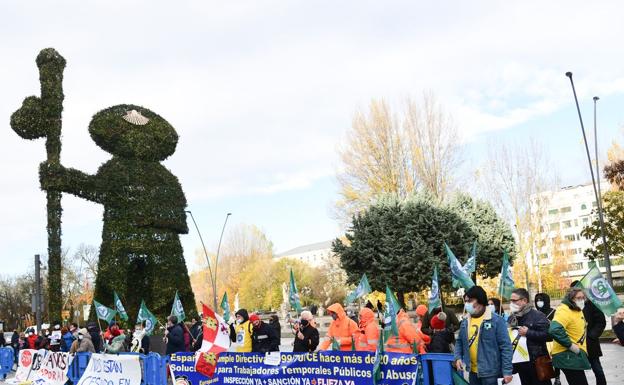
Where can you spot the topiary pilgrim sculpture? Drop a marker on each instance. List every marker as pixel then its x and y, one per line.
pixel 144 209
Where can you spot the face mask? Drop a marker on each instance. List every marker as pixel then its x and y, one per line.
pixel 492 308
pixel 514 308
pixel 540 304
pixel 469 308
pixel 334 316
pixel 80 336
pixel 239 321
pixel 304 322
pixel 580 304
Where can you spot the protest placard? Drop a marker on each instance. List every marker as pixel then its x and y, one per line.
pixel 112 369
pixel 53 369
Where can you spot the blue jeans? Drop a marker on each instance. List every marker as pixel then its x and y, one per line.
pixel 475 380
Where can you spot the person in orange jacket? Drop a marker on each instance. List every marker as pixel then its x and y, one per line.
pixel 421 310
pixel 408 335
pixel 343 329
pixel 368 338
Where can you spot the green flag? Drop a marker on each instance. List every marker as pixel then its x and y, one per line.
pixel 362 289
pixel 119 307
pixel 471 264
pixel 225 306
pixel 390 314
pixel 377 363
pixel 458 379
pixel 598 290
pixel 335 346
pixel 506 284
pixel 177 309
pixel 104 313
pixel 293 295
pixel 461 278
pixel 146 316
pixel 434 297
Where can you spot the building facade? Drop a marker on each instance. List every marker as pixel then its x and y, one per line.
pixel 561 216
pixel 315 254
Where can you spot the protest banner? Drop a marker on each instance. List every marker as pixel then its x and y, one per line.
pixel 182 366
pixel 28 363
pixel 112 369
pixel 519 346
pixel 318 368
pixel 53 369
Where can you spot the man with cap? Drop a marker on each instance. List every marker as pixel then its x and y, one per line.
pixel 240 334
pixel 263 339
pixel 483 346
pixel 441 337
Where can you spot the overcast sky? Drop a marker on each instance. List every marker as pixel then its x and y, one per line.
pixel 262 92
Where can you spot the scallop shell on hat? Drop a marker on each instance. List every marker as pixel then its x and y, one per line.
pixel 135 117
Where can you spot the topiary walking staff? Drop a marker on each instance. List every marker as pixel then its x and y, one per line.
pixel 37 118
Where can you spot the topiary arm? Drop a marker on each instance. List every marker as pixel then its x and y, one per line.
pixel 54 177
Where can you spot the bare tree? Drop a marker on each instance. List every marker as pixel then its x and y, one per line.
pixel 387 154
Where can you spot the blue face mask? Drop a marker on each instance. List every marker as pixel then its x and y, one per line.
pixel 469 308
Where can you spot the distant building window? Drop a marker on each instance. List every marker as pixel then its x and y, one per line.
pixel 575 266
pixel 585 221
pixel 553 211
pixel 576 222
pixel 567 224
pixel 570 237
pixel 594 204
pixel 566 209
pixel 554 226
pixel 583 206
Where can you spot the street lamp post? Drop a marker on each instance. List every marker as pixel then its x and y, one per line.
pixel 205 253
pixel 217 260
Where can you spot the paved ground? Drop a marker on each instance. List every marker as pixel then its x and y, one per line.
pixel 612 363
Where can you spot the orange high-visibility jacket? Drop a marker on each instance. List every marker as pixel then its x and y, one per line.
pixel 368 338
pixel 343 329
pixel 408 334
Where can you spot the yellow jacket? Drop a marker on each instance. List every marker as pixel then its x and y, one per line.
pixel 243 332
pixel 573 322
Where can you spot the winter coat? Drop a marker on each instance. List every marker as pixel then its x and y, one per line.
pixel 68 339
pixel 596 323
pixel 96 339
pixel 15 341
pixel 342 329
pixel 494 352
pixel 241 333
pixel 452 323
pixel 441 341
pixel 175 339
pixel 32 341
pixel 408 336
pixel 368 337
pixel 117 344
pixel 187 337
pixel 546 309
pixel 2 340
pixel 84 345
pixel 566 328
pixel 618 329
pixel 264 339
pixel 309 342
pixel 537 335
pixel 278 330
pixel 41 343
pixel 196 330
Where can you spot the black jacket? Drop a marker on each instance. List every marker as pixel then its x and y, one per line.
pixel 278 330
pixel 618 329
pixel 196 331
pixel 537 335
pixel 94 333
pixel 309 342
pixel 596 323
pixel 15 341
pixel 264 339
pixel 175 339
pixel 546 309
pixel 452 323
pixel 441 341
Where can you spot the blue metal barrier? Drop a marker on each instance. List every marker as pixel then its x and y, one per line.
pixel 7 359
pixel 155 369
pixel 437 368
pixel 78 366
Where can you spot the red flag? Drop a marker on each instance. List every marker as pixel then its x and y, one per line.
pixel 216 340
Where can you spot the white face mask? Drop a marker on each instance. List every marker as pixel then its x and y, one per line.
pixel 580 304
pixel 239 320
pixel 492 308
pixel 540 304
pixel 514 308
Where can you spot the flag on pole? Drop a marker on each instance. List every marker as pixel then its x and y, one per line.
pixel 104 313
pixel 225 306
pixel 471 264
pixel 390 314
pixel 146 316
pixel 216 340
pixel 120 308
pixel 293 295
pixel 377 362
pixel 506 284
pixel 461 278
pixel 362 289
pixel 598 290
pixel 434 297
pixel 177 309
pixel 236 307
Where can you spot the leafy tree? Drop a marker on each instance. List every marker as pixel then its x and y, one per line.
pixel 613 212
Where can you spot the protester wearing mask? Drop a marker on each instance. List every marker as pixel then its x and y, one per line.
pixel 442 338
pixel 196 329
pixel 140 340
pixel 368 337
pixel 542 303
pixel 618 327
pixel 82 343
pixel 306 334
pixel 95 334
pixel 42 340
pixel 483 346
pixel 410 338
pixel 116 344
pixel 275 324
pixel 569 352
pixel 55 338
pixel 263 338
pixel 342 329
pixel 241 334
pixel 533 325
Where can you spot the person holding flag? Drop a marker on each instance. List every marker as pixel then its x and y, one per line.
pixel 402 334
pixel 342 330
pixel 174 336
pixel 368 337
pixel 215 340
